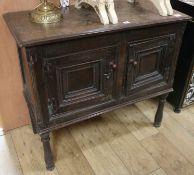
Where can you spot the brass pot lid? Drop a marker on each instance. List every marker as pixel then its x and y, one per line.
pixel 45 13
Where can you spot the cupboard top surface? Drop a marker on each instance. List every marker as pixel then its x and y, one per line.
pixel 78 23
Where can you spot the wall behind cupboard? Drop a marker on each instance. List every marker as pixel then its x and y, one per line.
pixel 13 109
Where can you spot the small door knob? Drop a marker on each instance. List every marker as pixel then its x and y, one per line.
pixel 114 66
pixel 135 63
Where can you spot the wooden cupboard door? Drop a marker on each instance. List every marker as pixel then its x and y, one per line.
pixel 79 81
pixel 149 63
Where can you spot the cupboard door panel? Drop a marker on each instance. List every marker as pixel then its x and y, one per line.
pixel 80 81
pixel 148 63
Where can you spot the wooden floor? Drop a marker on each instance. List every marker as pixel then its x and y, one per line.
pixel 122 142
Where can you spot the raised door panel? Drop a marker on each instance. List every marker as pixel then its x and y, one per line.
pixel 148 63
pixel 80 81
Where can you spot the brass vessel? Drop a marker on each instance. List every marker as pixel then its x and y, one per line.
pixel 46 12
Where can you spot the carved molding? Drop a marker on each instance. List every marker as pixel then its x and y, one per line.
pixel 57 72
pixel 163 48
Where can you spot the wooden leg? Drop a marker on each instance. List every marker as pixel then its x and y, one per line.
pixel 159 113
pixel 177 110
pixel 48 157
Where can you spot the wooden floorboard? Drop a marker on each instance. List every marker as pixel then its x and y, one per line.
pixel 125 145
pixel 122 142
pixel 185 118
pixel 167 156
pixel 30 152
pixel 9 163
pixel 70 159
pixel 172 130
pixel 158 172
pixel 96 149
pixel 136 122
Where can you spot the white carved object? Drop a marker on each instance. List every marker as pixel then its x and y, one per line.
pixel 163 6
pixel 64 3
pixel 104 8
pixel 168 7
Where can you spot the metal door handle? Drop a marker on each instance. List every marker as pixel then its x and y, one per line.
pixel 113 65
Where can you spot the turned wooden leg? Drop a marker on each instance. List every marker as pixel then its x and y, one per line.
pixel 159 113
pixel 48 157
pixel 177 110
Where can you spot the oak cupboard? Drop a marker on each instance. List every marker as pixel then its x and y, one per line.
pixel 78 68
